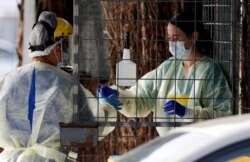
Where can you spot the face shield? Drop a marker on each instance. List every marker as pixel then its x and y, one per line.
pixel 62 33
pixel 64 60
pixel 46 34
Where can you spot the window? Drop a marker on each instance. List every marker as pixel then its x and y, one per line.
pixel 232 153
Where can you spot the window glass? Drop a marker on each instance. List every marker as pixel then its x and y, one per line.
pixel 238 152
pixel 174 143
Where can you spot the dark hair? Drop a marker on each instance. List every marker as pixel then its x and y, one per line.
pixel 187 22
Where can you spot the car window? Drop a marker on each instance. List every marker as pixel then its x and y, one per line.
pixel 169 146
pixel 144 150
pixel 236 152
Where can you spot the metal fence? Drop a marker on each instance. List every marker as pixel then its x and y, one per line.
pixel 99 42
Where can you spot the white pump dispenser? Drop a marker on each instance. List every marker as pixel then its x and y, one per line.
pixel 126 69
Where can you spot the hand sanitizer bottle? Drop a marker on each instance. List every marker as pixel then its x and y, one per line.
pixel 126 69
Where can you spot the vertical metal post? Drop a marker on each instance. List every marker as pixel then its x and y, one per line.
pixel 76 68
pixel 235 17
pixel 241 57
pixel 75 58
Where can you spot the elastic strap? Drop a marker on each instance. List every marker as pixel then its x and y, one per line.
pixel 51 40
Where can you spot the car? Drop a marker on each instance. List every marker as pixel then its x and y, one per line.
pixel 214 140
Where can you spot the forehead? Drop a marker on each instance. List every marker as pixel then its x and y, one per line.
pixel 174 31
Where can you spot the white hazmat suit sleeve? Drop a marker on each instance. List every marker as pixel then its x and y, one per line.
pixel 140 100
pixel 101 113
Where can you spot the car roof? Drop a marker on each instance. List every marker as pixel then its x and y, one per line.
pixel 223 131
pixel 213 134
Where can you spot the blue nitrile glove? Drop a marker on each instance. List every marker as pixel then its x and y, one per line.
pixel 172 107
pixel 110 96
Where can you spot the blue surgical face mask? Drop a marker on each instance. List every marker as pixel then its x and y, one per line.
pixel 178 50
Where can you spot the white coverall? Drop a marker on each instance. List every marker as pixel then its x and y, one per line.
pixel 203 89
pixel 32 135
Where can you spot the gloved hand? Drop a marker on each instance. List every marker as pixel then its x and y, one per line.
pixel 172 107
pixel 110 96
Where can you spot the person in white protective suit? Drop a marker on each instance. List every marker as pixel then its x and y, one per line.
pixel 36 97
pixel 187 87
